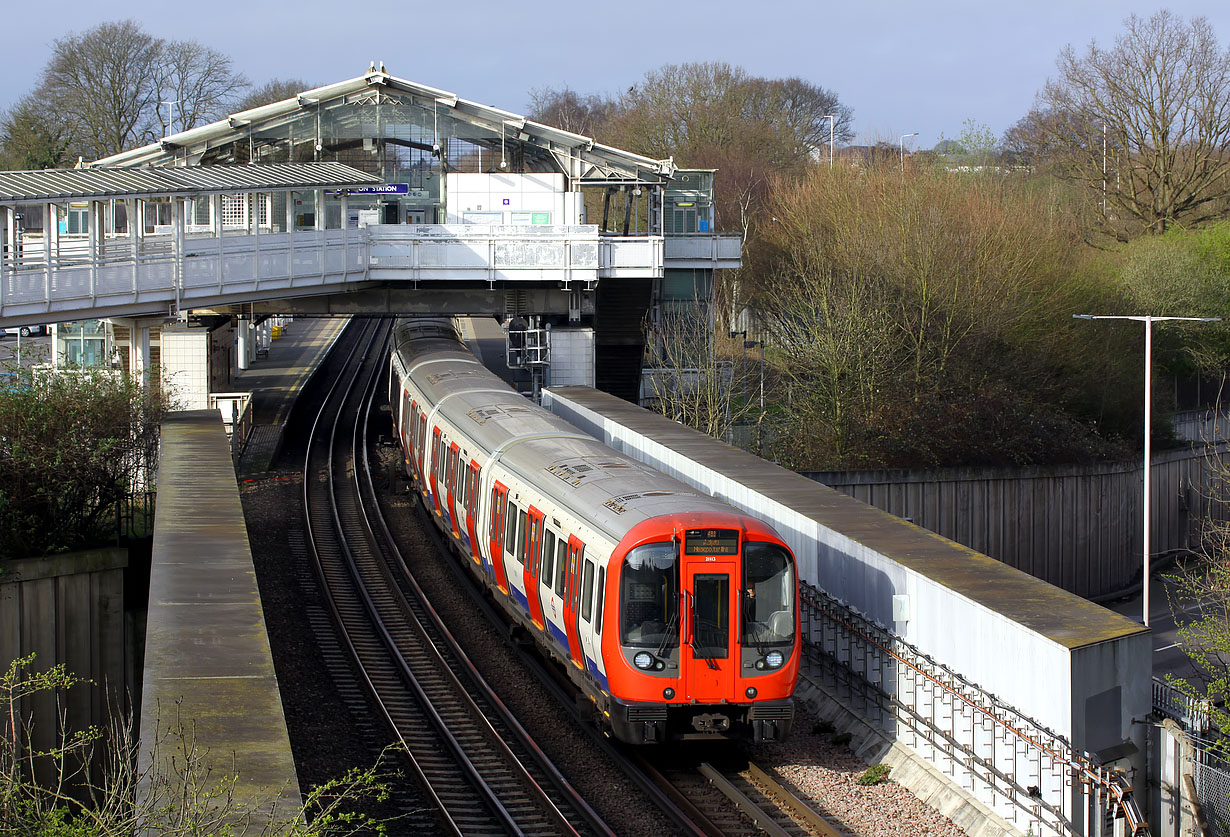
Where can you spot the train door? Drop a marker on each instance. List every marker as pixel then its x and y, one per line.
pixel 450 482
pixel 435 469
pixel 499 509
pixel 707 660
pixel 572 599
pixel 530 561
pixel 590 607
pixel 471 504
pixel 422 443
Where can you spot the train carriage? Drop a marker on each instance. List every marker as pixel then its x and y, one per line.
pixel 674 612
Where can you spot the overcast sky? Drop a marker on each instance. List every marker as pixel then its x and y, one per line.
pixel 902 66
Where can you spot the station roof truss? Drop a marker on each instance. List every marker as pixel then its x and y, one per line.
pixel 106 183
pixel 436 114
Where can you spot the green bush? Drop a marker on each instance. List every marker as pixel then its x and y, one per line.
pixel 74 445
pixel 874 775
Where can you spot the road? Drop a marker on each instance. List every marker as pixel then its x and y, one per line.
pixel 1168 658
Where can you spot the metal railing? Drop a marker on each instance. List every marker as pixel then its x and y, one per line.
pixel 236 411
pixel 1028 774
pixel 1194 715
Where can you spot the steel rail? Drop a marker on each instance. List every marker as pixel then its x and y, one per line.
pixel 416 757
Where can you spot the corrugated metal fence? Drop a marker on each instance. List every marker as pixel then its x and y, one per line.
pixel 1077 527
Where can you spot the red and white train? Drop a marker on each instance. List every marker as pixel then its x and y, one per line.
pixel 675 613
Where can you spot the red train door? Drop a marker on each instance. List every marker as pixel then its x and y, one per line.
pixel 572 598
pixel 472 510
pixel 708 656
pixel 533 550
pixel 498 513
pixel 435 469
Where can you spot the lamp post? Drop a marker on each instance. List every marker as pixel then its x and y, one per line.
pixel 1148 321
pixel 902 145
pixel 832 120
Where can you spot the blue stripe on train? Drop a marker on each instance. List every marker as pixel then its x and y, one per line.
pixel 519 597
pixel 598 675
pixel 559 635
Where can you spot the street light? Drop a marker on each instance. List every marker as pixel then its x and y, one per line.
pixel 1148 321
pixel 831 118
pixel 902 143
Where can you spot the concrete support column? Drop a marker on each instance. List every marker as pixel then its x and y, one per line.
pixel 139 358
pixel 243 333
pixel 186 364
pixel 320 209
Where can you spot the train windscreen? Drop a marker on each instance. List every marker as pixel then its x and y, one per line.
pixel 649 598
pixel 768 595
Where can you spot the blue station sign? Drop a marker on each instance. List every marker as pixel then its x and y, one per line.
pixel 387 189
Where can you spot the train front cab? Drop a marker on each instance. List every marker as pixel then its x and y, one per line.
pixel 708 641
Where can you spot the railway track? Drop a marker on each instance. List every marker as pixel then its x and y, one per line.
pixel 484 774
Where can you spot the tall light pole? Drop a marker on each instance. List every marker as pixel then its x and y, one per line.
pixel 1148 321
pixel 902 144
pixel 831 118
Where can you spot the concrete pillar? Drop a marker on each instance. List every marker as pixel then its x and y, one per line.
pixel 243 331
pixel 186 365
pixel 138 353
pixel 320 209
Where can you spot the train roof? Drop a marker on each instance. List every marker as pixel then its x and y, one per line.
pixel 607 489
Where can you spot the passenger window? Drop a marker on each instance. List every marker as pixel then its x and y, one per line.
pixel 493 528
pixel 561 565
pixel 548 558
pixel 598 601
pixel 510 522
pixel 521 521
pixel 587 592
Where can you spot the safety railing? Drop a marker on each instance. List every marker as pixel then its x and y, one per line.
pixel 1028 774
pixel 236 411
pixel 1194 715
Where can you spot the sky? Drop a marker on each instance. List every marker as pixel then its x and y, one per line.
pixel 901 66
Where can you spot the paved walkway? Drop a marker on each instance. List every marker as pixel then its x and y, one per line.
pixel 276 381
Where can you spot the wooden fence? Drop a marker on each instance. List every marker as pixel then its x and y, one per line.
pixel 1076 527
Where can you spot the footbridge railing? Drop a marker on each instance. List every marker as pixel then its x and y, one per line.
pixel 1032 776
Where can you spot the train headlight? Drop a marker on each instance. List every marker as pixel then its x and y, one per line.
pixel 774 659
pixel 643 660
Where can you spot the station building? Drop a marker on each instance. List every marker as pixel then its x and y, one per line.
pixel 580 249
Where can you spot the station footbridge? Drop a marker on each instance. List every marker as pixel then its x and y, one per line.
pixel 373 195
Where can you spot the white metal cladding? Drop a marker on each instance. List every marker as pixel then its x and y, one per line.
pixel 106 183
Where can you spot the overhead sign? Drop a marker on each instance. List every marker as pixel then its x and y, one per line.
pixel 387 189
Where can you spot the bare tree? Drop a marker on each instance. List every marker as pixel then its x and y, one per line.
pixel 199 82
pixel 106 85
pixel 1145 124
pixel 102 83
pixel 274 90
pixel 566 110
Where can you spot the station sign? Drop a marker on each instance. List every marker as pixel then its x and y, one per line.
pixel 387 189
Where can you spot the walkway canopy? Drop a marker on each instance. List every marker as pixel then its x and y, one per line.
pixel 101 184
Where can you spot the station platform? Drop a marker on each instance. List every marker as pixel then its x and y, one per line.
pixel 276 380
pixel 209 686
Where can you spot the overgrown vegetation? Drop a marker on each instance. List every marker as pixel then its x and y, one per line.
pixel 74 445
pixel 58 790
